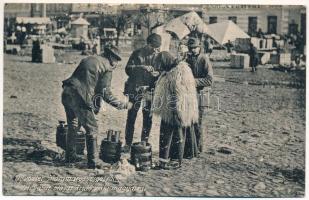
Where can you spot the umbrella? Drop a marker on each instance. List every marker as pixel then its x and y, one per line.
pixel 224 31
pixel 202 28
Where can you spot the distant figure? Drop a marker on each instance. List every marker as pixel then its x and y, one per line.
pixel 18 35
pixel 208 47
pixel 260 33
pixel 58 38
pixel 299 43
pixel 229 46
pixel 299 62
pixel 82 45
pixel 13 38
pixel 36 51
pixel 254 57
pixel 94 49
pixel 23 35
pixel 97 44
pixel 182 52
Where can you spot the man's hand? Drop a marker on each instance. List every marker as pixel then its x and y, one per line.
pixel 129 105
pixel 148 68
pixel 155 73
pixel 96 111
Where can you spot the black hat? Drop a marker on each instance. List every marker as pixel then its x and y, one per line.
pixel 154 40
pixel 193 42
pixel 112 50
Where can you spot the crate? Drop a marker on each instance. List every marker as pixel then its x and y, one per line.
pixel 285 59
pixel 48 54
pixel 282 59
pixel 274 59
pixel 265 58
pixel 240 61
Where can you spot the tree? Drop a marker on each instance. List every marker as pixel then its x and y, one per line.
pixel 119 22
pixel 151 18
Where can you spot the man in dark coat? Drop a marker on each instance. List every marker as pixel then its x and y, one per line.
pixel 36 51
pixel 81 97
pixel 208 47
pixel 254 57
pixel 141 78
pixel 203 74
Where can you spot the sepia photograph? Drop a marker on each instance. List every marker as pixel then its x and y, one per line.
pixel 154 100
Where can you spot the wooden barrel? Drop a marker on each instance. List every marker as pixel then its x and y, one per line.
pixel 110 152
pixel 61 133
pixel 141 156
pixel 80 142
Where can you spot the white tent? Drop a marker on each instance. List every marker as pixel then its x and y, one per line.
pixel 79 28
pixel 224 31
pixel 80 21
pixel 33 20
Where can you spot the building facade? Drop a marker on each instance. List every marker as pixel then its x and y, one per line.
pixel 269 18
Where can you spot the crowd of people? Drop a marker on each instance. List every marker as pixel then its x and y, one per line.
pixel 171 87
pixel 159 83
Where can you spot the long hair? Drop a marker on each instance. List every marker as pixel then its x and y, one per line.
pixel 175 96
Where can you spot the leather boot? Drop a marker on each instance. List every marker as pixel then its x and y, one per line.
pixel 91 148
pixel 92 153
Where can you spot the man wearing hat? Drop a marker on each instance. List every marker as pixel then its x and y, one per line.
pixel 141 79
pixel 81 97
pixel 203 74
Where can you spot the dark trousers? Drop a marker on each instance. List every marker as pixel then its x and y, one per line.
pixel 171 133
pixel 131 118
pixel 77 114
pixel 198 128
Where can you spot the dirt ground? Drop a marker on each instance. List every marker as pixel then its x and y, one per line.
pixel 259 119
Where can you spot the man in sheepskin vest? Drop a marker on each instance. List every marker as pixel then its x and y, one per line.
pixel 203 73
pixel 176 103
pixel 141 76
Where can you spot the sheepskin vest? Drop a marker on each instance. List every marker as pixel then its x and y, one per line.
pixel 175 96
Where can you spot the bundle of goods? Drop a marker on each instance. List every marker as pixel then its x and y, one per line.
pixel 110 150
pixel 61 134
pixel 141 156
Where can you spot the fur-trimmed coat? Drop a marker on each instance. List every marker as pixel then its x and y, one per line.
pixel 175 96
